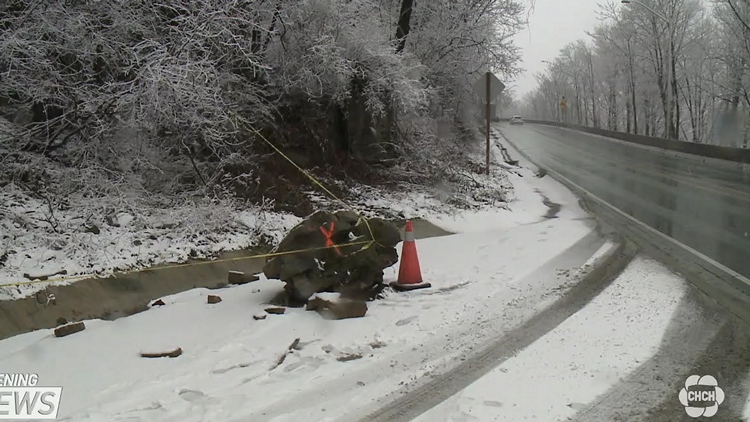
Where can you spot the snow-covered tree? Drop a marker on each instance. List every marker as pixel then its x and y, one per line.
pixel 165 91
pixel 619 77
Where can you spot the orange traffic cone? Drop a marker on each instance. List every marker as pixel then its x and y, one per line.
pixel 409 272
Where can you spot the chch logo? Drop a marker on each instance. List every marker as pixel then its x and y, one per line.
pixel 701 396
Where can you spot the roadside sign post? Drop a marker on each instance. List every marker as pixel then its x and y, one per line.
pixel 564 109
pixel 487 110
pixel 490 88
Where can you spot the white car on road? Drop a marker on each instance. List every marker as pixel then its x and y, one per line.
pixel 516 120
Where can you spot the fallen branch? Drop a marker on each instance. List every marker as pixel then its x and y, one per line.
pixel 44 276
pixel 288 350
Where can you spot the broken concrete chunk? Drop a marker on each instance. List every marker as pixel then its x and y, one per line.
pixel 173 354
pixel 276 310
pixel 158 302
pixel 66 330
pixel 348 357
pixel 235 277
pixel 377 344
pixel 213 299
pixel 338 309
pixel 239 278
pixel 260 316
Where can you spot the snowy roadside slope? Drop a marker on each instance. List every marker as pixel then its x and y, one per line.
pixel 503 268
pixel 42 236
pixel 479 281
pixel 525 193
pixel 39 240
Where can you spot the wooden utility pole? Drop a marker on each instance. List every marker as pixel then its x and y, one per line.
pixel 487 109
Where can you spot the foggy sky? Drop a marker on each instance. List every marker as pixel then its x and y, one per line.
pixel 552 25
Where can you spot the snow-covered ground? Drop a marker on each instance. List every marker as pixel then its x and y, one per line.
pixel 569 367
pixel 41 239
pixel 502 268
pixel 42 236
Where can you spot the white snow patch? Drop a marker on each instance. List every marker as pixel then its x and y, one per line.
pixel 41 240
pixel 580 359
pixel 327 296
pixel 521 188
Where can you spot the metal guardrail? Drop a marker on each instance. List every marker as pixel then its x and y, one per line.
pixel 739 155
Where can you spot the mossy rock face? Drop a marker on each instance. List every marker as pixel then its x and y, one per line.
pixel 316 258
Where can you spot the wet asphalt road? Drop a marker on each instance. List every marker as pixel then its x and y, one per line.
pixel 700 202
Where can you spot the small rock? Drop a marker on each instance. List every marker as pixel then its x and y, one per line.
pixel 276 310
pixel 239 278
pixel 93 228
pixel 348 357
pixel 61 321
pixel 259 317
pixel 339 309
pixel 112 220
pixel 158 302
pixel 377 344
pixel 137 242
pixel 213 299
pixel 173 354
pixel 69 329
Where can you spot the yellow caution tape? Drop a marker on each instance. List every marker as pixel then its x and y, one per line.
pixel 306 173
pixel 191 264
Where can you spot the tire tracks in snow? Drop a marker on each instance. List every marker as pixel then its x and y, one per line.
pixel 698 341
pixel 413 403
pixel 690 331
pixel 727 358
pixel 436 352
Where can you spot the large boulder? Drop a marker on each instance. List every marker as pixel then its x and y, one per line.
pixel 354 270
